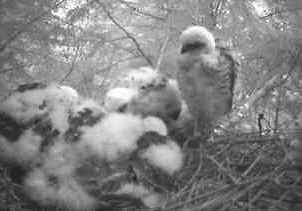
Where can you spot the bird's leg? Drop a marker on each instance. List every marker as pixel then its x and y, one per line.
pixel 196 131
pixel 194 140
pixel 204 130
pixel 210 135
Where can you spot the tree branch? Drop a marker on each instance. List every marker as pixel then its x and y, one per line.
pixel 27 25
pixel 161 53
pixel 139 11
pixel 115 63
pixel 269 86
pixel 278 12
pixel 125 31
pixel 72 64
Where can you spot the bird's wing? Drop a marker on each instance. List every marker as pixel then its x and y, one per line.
pixel 233 60
pixel 222 76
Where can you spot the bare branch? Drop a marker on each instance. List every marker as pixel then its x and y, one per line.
pixel 161 53
pixel 72 64
pixel 278 12
pixel 125 31
pixel 139 11
pixel 6 70
pixel 277 110
pixel 27 25
pixel 216 10
pixel 273 83
pixel 223 169
pixel 115 63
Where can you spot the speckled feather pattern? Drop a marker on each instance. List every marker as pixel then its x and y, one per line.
pixel 207 88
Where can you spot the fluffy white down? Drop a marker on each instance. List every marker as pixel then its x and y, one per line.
pixel 60 162
pixel 117 97
pixel 168 157
pixel 198 33
pixel 64 192
pixel 148 197
pixel 113 137
pixel 70 92
pixel 61 159
pixel 155 124
pixel 61 100
pixel 24 150
pixel 26 105
pixel 59 117
pixel 88 104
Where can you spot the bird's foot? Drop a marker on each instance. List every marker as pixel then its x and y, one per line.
pixel 193 141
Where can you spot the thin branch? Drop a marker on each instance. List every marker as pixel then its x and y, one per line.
pixel 278 12
pixel 115 63
pixel 6 70
pixel 26 26
pixel 216 9
pixel 270 85
pixel 108 70
pixel 125 31
pixel 19 67
pixel 139 11
pixel 72 64
pixel 223 170
pixel 161 53
pixel 277 110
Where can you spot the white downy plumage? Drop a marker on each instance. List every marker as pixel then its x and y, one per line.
pixel 87 104
pixel 60 191
pixel 53 100
pixel 168 157
pixel 23 151
pixel 117 98
pixel 149 198
pixel 114 136
pixel 155 124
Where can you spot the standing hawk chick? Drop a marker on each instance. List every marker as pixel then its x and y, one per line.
pixel 206 76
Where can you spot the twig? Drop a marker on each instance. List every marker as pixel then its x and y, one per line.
pixel 277 109
pixel 249 169
pixel 139 11
pixel 278 12
pixel 216 9
pixel 108 69
pixel 286 193
pixel 161 53
pixel 194 176
pixel 26 26
pixel 125 31
pixel 240 193
pixel 72 64
pixel 174 206
pixel 270 85
pixel 224 170
pixel 115 63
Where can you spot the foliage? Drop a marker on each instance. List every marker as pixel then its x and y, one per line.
pixel 89 44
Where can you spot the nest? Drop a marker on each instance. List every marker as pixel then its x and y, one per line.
pixel 242 172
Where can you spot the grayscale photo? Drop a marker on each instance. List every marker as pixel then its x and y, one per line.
pixel 150 105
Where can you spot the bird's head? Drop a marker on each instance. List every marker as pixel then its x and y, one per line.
pixel 197 38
